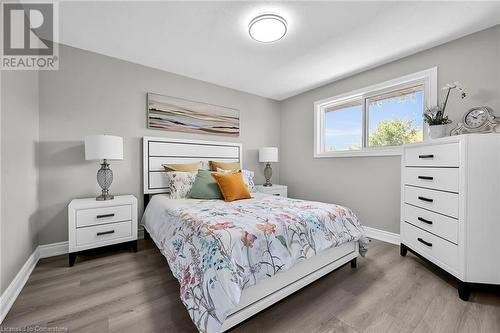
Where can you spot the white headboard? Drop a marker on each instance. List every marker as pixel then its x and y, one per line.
pixel 157 151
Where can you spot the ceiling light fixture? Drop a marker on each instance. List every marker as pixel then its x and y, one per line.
pixel 267 28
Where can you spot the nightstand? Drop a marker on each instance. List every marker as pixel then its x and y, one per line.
pixel 100 223
pixel 278 190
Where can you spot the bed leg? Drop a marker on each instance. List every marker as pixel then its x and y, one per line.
pixel 354 263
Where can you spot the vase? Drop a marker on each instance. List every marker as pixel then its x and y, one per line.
pixel 437 131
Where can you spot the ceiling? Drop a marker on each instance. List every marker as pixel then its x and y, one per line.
pixel 325 42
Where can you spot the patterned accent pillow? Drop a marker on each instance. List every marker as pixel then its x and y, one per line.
pixel 247 178
pixel 179 183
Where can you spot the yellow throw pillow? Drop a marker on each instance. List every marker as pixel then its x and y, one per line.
pixel 232 186
pixel 224 165
pixel 188 167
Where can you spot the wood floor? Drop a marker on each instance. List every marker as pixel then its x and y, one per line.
pixel 120 291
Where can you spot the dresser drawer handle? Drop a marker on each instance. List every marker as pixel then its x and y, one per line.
pixel 105 232
pixel 105 215
pixel 424 242
pixel 426 156
pixel 421 219
pixel 276 194
pixel 426 177
pixel 425 199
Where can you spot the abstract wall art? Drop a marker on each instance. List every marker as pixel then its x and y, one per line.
pixel 176 114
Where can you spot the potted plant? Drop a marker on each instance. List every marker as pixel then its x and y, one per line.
pixel 435 116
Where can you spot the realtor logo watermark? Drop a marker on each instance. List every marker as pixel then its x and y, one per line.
pixel 29 36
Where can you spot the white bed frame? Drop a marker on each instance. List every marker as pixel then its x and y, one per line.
pixel 158 151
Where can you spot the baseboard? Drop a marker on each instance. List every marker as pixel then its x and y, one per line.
pixel 10 294
pixel 54 249
pixel 382 235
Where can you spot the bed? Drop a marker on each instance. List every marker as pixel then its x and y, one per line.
pixel 235 259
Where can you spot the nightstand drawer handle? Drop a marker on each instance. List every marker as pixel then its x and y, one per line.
pixel 105 232
pixel 105 215
pixel 424 242
pixel 426 177
pixel 276 194
pixel 421 219
pixel 425 199
pixel 426 156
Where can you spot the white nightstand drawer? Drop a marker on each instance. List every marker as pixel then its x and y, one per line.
pixel 440 225
pixel 96 216
pixel 440 202
pixel 430 246
pixel 277 190
pixel 445 179
pixel 433 155
pixel 103 233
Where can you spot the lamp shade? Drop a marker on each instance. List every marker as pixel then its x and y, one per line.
pixel 100 147
pixel 268 154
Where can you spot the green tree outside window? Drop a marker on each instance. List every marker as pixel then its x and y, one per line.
pixel 393 133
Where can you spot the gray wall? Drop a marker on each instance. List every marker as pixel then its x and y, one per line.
pixel 371 185
pixel 95 94
pixel 19 176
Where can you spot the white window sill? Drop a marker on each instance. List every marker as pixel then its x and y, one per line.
pixel 392 151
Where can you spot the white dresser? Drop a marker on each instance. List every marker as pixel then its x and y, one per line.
pixel 449 206
pixel 94 223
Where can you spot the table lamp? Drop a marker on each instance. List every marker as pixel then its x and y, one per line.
pixel 104 147
pixel 268 155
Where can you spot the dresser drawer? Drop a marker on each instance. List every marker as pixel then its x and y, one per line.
pixel 440 202
pixel 96 216
pixel 444 155
pixel 445 179
pixel 430 246
pixel 440 225
pixel 103 233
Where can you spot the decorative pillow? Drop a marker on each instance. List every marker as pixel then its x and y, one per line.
pixel 232 186
pixel 247 178
pixel 233 166
pixel 180 183
pixel 188 167
pixel 205 186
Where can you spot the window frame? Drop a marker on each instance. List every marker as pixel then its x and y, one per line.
pixel 427 78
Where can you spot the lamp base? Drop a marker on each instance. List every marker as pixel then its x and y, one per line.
pixel 104 197
pixel 268 172
pixel 104 179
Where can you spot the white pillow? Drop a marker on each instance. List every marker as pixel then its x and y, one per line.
pixel 247 177
pixel 179 183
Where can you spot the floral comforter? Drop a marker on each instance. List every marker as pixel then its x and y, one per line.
pixel 216 249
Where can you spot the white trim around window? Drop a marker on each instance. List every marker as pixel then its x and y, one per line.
pixel 427 78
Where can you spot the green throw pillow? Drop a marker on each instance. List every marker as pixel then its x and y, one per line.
pixel 205 186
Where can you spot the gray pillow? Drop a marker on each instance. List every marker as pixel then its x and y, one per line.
pixel 205 186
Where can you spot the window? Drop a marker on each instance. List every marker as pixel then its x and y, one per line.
pixel 375 120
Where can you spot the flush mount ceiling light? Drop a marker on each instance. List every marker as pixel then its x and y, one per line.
pixel 267 28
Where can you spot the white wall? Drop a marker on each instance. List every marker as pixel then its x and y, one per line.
pixel 371 185
pixel 94 94
pixel 19 176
